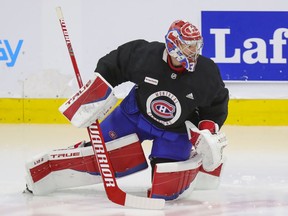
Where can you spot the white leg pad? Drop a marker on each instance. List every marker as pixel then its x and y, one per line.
pixel 60 180
pixel 66 168
pixel 209 180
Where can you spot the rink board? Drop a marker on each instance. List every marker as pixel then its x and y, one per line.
pixel 241 112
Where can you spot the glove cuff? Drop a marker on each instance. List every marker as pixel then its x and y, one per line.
pixel 208 125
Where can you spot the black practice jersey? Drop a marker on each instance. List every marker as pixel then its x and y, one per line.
pixel 165 97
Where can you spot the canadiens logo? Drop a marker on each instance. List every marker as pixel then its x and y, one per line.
pixel 163 107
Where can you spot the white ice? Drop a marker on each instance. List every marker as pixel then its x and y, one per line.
pixel 254 181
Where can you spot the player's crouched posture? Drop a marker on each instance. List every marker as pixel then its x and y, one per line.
pixel 175 89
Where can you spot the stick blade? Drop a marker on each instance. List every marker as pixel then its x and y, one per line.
pixel 144 203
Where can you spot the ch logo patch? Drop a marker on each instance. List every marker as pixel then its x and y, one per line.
pixel 112 134
pixel 163 107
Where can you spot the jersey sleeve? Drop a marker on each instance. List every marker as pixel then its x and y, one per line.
pixel 217 111
pixel 114 67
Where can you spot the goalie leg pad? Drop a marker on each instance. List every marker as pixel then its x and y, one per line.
pixel 170 180
pixel 209 180
pixel 67 168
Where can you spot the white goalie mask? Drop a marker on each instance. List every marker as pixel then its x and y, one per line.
pixel 184 42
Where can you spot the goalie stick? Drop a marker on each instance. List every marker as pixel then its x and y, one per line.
pixel 113 192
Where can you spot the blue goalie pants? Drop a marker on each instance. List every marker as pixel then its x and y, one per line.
pixel 127 119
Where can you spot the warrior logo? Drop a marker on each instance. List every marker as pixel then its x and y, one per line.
pixel 163 107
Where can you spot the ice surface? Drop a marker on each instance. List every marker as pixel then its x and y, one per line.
pixel 255 177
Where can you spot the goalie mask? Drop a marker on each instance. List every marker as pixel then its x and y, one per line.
pixel 184 42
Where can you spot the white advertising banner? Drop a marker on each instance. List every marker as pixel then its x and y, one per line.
pixel 34 62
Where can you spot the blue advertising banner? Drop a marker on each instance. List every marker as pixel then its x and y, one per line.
pixel 247 45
